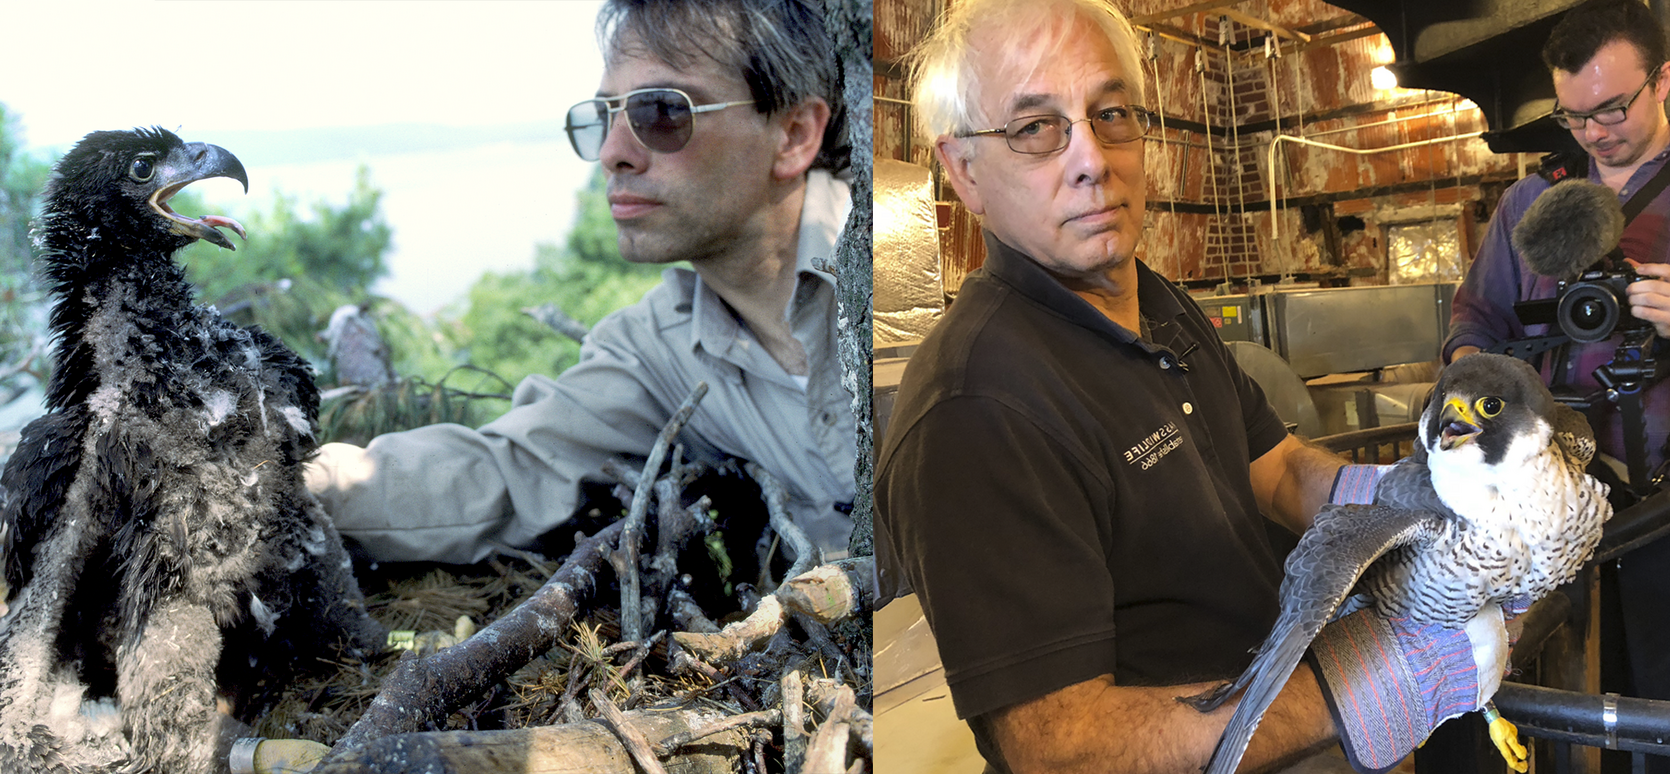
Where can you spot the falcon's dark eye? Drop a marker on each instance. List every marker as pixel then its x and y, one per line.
pixel 141 169
pixel 1489 407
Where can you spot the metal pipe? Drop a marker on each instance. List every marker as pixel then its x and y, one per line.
pixel 1275 226
pixel 1635 526
pixel 1398 120
pixel 1611 721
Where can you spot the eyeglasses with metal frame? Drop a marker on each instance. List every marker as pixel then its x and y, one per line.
pixel 1609 116
pixel 1037 135
pixel 660 120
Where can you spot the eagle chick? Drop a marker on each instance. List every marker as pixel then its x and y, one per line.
pixel 161 541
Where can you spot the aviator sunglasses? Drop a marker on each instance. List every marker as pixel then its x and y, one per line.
pixel 660 120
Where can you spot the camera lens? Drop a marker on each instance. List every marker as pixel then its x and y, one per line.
pixel 1588 313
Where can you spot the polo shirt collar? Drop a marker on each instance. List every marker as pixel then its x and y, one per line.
pixel 1032 280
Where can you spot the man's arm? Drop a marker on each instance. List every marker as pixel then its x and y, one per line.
pixel 447 492
pixel 1096 726
pixel 1482 314
pixel 1292 482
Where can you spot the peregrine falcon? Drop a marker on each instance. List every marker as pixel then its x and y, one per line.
pixel 1493 504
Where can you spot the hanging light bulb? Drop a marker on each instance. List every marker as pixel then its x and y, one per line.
pixel 1382 78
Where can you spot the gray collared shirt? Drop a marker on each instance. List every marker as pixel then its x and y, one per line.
pixel 447 492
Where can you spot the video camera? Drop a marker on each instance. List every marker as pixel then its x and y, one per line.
pixel 1591 307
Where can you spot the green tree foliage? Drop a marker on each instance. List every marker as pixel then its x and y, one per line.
pixel 22 318
pixel 295 269
pixel 585 276
pixel 21 179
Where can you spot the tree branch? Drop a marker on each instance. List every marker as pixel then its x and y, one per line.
pixel 552 315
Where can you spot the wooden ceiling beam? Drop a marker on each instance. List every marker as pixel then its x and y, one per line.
pixel 1206 5
pixel 1330 40
pixel 1257 23
pixel 1170 33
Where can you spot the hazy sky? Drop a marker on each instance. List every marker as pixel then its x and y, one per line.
pixel 214 70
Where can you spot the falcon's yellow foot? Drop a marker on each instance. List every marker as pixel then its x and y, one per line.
pixel 1506 737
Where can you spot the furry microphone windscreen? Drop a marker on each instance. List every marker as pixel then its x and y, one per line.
pixel 1569 228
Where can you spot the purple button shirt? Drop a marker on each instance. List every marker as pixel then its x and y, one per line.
pixel 1483 313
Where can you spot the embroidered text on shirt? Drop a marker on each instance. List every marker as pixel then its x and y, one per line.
pixel 1156 445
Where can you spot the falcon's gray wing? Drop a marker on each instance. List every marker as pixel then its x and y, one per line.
pixel 1321 571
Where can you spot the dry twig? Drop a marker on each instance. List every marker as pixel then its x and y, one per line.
pixel 745 720
pixel 631 738
pixel 625 557
pixel 794 721
pixel 835 701
pixel 776 504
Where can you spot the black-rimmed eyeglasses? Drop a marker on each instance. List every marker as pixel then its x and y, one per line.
pixel 1612 116
pixel 660 120
pixel 1048 134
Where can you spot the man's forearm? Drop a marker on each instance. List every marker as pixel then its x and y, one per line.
pixel 1293 481
pixel 1096 726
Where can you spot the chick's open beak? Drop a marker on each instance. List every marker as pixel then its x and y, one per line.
pixel 186 165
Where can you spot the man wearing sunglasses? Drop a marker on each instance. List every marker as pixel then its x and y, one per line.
pixel 1608 60
pixel 719 126
pixel 1077 473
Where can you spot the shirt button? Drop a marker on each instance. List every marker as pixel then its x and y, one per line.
pixel 1165 362
pixel 1188 408
pixel 828 418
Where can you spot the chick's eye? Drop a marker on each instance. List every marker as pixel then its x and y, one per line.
pixel 1489 407
pixel 141 170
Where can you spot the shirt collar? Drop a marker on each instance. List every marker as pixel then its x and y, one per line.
pixel 822 215
pixel 1032 280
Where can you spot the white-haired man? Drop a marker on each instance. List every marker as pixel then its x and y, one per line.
pixel 1075 468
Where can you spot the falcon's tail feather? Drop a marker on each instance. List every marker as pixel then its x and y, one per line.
pixel 1263 680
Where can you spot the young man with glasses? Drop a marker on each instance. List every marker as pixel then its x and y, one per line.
pixel 1075 468
pixel 1608 60
pixel 720 128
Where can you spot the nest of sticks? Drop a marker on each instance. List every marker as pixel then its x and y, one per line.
pixel 748 653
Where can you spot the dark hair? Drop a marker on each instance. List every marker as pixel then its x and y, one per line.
pixel 780 47
pixel 1586 28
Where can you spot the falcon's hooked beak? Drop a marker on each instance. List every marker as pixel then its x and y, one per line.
pixel 188 164
pixel 1457 424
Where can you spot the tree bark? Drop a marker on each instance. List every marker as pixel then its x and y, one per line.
pixel 850 24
